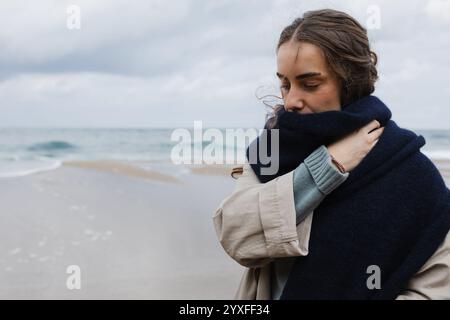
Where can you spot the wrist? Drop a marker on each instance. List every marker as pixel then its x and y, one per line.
pixel 324 173
pixel 338 165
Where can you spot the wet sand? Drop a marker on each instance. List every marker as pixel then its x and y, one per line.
pixel 136 232
pixel 134 236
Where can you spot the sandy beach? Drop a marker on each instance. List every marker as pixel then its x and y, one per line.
pixel 136 232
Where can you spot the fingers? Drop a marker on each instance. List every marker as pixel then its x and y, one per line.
pixel 374 143
pixel 371 125
pixel 375 135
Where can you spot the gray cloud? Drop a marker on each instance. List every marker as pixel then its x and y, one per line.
pixel 160 63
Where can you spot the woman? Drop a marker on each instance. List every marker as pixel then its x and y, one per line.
pixel 355 210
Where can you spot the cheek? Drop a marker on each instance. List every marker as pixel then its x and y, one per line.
pixel 325 99
pixel 330 91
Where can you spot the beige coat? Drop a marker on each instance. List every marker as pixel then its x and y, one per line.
pixel 256 224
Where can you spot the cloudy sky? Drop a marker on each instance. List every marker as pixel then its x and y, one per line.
pixel 167 63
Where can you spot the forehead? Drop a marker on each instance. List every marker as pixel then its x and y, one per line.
pixel 295 57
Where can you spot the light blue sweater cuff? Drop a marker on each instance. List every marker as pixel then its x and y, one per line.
pixel 323 171
pixel 313 179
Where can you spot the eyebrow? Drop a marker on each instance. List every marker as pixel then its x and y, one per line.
pixel 301 76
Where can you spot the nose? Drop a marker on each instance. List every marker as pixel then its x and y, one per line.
pixel 294 102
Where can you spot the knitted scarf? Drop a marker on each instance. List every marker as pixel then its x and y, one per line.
pixel 390 215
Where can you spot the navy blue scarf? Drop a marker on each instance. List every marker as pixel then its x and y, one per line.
pixel 392 212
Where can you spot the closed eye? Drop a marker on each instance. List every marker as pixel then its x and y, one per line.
pixel 285 86
pixel 311 87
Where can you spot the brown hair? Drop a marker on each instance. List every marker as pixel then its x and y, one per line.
pixel 345 45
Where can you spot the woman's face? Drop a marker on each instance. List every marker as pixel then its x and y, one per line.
pixel 307 85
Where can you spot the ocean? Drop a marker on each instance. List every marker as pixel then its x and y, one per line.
pixel 25 151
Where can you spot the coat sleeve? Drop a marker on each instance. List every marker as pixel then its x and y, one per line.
pixel 257 222
pixel 432 281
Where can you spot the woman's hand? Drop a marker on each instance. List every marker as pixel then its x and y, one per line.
pixel 351 149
